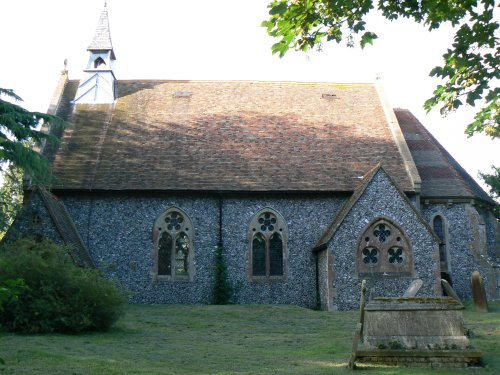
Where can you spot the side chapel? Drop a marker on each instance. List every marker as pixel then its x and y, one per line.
pixel 309 188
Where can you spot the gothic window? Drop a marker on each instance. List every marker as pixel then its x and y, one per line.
pixel 268 236
pixel 383 249
pixel 438 225
pixel 173 237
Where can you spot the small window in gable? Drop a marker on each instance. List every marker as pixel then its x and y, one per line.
pixel 36 220
pixel 384 249
pixel 173 239
pixel 268 235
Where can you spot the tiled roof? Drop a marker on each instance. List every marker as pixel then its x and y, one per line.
pixel 228 136
pixel 102 36
pixel 66 228
pixel 442 176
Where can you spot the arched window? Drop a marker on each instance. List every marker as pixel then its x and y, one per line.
pixel 98 62
pixel 268 237
pixel 173 239
pixel 383 249
pixel 438 225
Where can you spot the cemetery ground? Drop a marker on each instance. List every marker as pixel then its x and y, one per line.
pixel 234 339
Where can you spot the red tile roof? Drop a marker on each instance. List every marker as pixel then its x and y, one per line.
pixel 228 136
pixel 442 176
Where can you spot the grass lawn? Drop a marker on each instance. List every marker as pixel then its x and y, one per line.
pixel 238 339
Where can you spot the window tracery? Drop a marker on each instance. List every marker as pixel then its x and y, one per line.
pixel 268 236
pixel 384 249
pixel 173 236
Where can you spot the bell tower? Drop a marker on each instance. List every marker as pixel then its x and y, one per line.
pixel 98 85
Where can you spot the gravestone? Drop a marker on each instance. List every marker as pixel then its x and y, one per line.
pixel 448 290
pixel 478 292
pixel 413 288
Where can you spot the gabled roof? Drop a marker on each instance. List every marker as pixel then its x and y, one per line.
pixel 66 228
pixel 102 36
pixel 358 193
pixel 228 136
pixel 442 176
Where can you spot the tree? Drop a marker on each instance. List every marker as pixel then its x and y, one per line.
pixel 11 197
pixel 493 181
pixel 18 131
pixel 470 66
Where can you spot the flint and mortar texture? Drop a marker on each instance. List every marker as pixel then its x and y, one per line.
pixel 117 232
pixel 381 200
pixel 467 245
pixel 24 225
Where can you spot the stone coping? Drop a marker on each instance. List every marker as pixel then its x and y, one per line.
pixel 418 353
pixel 413 303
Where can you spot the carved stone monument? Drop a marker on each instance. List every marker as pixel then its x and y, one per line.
pixel 478 292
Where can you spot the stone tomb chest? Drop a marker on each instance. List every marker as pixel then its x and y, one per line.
pixel 415 331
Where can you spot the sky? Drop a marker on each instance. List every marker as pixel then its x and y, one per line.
pixel 223 40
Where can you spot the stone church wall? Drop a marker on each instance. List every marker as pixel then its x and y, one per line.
pixel 470 241
pixel 381 200
pixel 117 230
pixel 35 221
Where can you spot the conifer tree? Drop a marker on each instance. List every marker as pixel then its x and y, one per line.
pixel 19 130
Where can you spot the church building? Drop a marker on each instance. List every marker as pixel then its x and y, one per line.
pixel 308 188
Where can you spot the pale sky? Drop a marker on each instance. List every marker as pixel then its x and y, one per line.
pixel 223 40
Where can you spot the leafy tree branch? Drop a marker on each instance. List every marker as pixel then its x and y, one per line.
pixel 470 66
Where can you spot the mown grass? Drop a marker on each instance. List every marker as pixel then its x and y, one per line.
pixel 251 339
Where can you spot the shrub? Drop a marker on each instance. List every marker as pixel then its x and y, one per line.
pixel 59 296
pixel 223 289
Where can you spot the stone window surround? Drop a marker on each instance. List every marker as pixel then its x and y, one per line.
pixel 282 229
pixel 383 266
pixel 160 223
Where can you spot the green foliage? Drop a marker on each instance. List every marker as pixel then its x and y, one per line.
pixel 470 66
pixel 493 180
pixel 10 289
pixel 59 296
pixel 18 131
pixel 223 289
pixel 11 197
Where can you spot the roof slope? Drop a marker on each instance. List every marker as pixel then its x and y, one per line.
pixel 442 176
pixel 66 229
pixel 228 136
